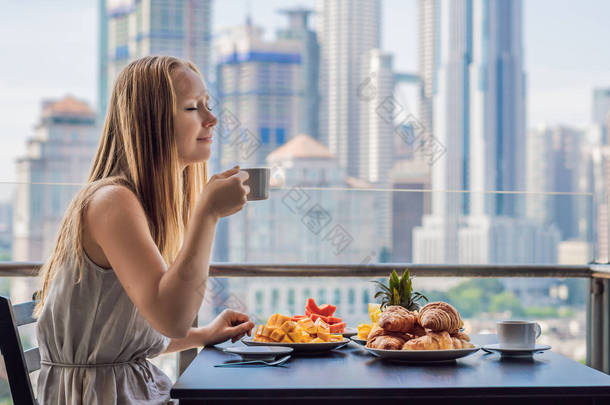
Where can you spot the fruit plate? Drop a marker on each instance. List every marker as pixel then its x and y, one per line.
pixel 349 332
pixel 300 347
pixel 356 339
pixel 422 356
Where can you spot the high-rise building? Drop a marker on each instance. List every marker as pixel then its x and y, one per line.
pixel 428 47
pixel 601 111
pixel 479 117
pixel 555 164
pixel 347 30
pixel 130 29
pixel 410 180
pixel 299 31
pixel 55 166
pixel 260 88
pixel 376 136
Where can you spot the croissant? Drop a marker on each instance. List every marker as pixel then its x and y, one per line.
pixel 436 341
pixel 397 319
pixel 417 330
pixel 386 342
pixel 440 316
pixel 461 343
pixel 380 338
pixel 430 341
pixel 461 336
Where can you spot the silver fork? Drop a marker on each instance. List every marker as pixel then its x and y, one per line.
pixel 277 362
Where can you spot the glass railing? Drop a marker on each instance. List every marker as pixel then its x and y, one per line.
pixel 354 223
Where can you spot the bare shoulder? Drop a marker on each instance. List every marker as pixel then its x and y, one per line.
pixel 112 197
pixel 113 204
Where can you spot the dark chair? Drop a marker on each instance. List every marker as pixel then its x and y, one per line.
pixel 19 364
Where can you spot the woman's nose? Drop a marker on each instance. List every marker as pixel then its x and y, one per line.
pixel 210 121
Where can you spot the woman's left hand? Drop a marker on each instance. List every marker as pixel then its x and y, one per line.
pixel 229 324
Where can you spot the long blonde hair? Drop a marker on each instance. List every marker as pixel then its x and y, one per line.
pixel 137 150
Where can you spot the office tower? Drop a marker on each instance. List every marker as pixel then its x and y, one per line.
pixel 61 151
pixel 347 30
pixel 259 85
pixel 299 31
pixel 555 164
pixel 409 205
pixel 601 111
pixel 376 119
pixel 428 42
pixel 130 29
pixel 479 118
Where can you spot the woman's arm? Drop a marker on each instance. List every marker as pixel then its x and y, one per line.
pixel 228 325
pixel 169 298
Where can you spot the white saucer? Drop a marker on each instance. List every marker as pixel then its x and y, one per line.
pixel 515 352
pixel 258 352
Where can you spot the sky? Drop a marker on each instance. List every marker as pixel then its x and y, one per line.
pixel 49 49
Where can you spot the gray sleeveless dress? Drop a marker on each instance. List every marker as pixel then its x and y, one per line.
pixel 94 344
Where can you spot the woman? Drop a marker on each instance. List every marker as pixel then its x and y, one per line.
pixel 125 279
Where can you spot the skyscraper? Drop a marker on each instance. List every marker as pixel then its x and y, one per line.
pixel 555 164
pixel 601 111
pixel 428 43
pixel 130 29
pixel 299 31
pixel 347 30
pixel 479 117
pixel 259 85
pixel 61 151
pixel 376 136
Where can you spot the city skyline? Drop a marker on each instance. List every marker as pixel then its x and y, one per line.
pixel 560 89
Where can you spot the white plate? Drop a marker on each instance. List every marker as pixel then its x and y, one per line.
pixel 358 340
pixel 516 352
pixel 299 347
pixel 349 332
pixel 259 352
pixel 422 356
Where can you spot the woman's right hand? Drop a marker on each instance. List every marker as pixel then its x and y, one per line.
pixel 225 193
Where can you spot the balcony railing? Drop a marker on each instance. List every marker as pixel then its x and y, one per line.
pixel 598 295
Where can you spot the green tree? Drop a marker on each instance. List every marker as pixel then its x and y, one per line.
pixel 506 301
pixel 468 300
pixel 541 312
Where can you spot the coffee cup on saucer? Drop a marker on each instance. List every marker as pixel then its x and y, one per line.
pixel 518 335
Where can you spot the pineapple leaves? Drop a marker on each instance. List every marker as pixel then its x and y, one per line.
pixel 399 291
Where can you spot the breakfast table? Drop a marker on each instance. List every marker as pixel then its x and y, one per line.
pixel 351 374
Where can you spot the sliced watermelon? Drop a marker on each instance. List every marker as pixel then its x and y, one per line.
pixel 311 306
pixel 337 327
pixel 327 310
pixel 314 317
pixel 296 318
pixel 333 319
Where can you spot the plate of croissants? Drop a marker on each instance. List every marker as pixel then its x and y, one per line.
pixel 432 334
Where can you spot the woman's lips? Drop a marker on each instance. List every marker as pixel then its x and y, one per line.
pixel 207 139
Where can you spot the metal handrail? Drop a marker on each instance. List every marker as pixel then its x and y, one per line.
pixel 29 269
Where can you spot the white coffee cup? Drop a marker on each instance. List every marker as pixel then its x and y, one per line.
pixel 518 334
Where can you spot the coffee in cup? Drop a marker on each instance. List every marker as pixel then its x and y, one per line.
pixel 258 183
pixel 517 334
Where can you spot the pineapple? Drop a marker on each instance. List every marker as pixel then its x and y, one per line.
pixel 399 292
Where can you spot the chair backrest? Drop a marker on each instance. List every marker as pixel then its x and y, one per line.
pixel 19 364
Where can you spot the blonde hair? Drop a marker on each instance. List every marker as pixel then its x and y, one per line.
pixel 137 150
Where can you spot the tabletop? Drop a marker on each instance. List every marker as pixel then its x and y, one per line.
pixel 352 373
